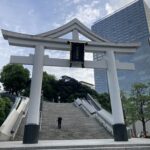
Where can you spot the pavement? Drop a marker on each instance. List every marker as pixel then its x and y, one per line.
pixel 74 143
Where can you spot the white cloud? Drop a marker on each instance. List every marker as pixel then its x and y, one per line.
pixel 86 13
pixel 81 74
pixel 76 1
pixel 115 5
pixel 148 2
pixel 1 35
pixel 31 12
pixel 108 8
pixel 56 25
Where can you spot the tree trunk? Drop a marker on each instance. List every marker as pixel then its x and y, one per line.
pixel 144 127
pixel 134 129
pixel 143 120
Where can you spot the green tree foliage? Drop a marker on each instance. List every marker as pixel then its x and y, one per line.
pixel 68 89
pixel 14 78
pixel 129 110
pixel 142 103
pixel 26 90
pixel 5 106
pixel 49 87
pixel 104 100
pixel 138 105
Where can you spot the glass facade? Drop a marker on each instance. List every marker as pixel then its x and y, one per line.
pixel 131 24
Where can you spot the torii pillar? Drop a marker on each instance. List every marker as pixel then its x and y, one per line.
pixel 119 127
pixel 31 131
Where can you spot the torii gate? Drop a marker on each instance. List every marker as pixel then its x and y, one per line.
pixel 51 40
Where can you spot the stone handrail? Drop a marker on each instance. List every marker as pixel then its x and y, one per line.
pixel 100 114
pixel 89 109
pixel 12 122
pixel 105 118
pixel 94 102
pixel 22 109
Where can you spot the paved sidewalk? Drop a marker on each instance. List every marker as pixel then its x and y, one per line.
pixel 75 143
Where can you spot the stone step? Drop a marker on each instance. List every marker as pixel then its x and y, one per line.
pixel 75 124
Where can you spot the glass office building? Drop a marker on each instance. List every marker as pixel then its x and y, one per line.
pixel 130 24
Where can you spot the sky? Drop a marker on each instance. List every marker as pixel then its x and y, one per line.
pixel 38 16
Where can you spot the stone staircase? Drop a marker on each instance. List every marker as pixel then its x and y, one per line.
pixel 75 124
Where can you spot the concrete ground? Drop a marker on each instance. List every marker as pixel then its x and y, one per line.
pixel 74 144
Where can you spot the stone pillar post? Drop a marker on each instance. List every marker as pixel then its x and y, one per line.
pixel 75 35
pixel 31 131
pixel 119 127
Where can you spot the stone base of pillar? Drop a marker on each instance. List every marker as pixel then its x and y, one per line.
pixel 120 132
pixel 31 134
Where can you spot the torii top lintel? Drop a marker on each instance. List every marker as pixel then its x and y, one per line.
pixel 51 40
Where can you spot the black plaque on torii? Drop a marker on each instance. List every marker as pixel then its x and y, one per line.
pixel 77 53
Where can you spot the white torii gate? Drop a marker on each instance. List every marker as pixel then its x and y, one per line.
pixel 51 40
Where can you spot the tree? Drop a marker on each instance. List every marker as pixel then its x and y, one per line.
pixel 14 78
pixel 49 87
pixel 2 111
pixel 139 104
pixel 67 89
pixel 104 100
pixel 26 90
pixel 130 114
pixel 5 106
